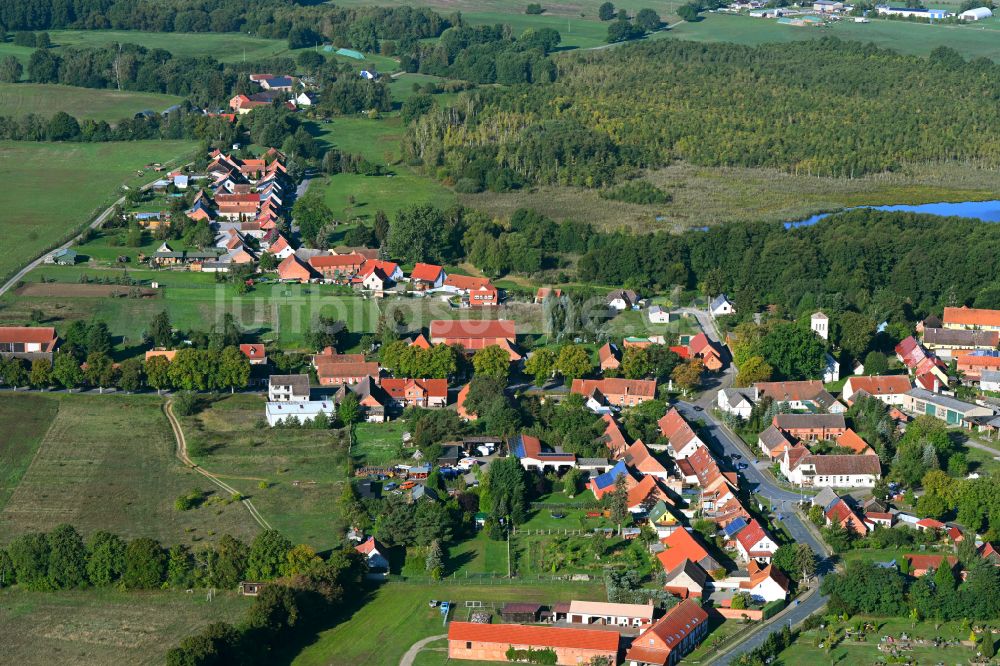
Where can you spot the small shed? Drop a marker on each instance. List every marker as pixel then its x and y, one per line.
pixel 250 589
pixel 65 257
pixel 521 612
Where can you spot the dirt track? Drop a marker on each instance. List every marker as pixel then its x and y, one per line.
pixel 73 290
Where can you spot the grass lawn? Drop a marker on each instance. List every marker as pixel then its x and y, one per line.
pixel 397 616
pixel 44 99
pixel 107 463
pixel 636 323
pixel 304 469
pixel 380 443
pixel 806 650
pixel 982 462
pixel 54 189
pixel 979 39
pixel 705 196
pixel 98 627
pixel 26 420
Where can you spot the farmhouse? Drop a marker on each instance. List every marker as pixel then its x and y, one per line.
pixel 841 514
pixel 333 372
pixel 811 426
pixel 890 389
pixel 477 292
pixel 971 318
pixel 616 392
pixel 475 334
pixel 490 642
pixel 766 583
pixel 334 268
pixel 921 565
pixel 950 410
pixel 673 636
pixel 701 347
pixel 799 395
pixel 947 342
pixel 427 276
pixel 27 342
pixel 738 401
pixel 660 315
pixel 293 270
pixel 841 471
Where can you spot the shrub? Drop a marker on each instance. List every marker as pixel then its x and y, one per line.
pixel 637 192
pixel 534 8
pixel 772 608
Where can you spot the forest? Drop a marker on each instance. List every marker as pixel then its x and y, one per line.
pixel 818 107
pixel 303 24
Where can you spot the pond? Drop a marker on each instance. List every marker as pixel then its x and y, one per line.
pixel 987 211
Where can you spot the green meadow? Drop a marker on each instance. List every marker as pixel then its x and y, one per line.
pixel 20 99
pixel 52 190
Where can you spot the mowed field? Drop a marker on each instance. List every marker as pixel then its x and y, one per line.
pixel 20 99
pixel 101 627
pixel 979 39
pixel 52 190
pixel 107 463
pixel 397 616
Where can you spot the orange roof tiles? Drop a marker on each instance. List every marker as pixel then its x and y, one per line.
pixel 881 384
pixel 971 317
pixel 535 636
pixel 681 545
pixel 614 386
pixel 851 440
pixel 426 272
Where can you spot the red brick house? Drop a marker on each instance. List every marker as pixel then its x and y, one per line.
pixel 609 356
pixel 427 276
pixel 490 642
pixel 617 392
pixel 811 427
pixel 671 637
pixel 255 352
pixel 293 270
pixel 417 392
pixel 334 267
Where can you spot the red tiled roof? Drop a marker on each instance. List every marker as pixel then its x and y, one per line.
pixel 681 545
pixel 851 440
pixel 432 388
pixel 421 342
pixel 254 350
pixel 641 491
pixel 43 335
pixel 293 269
pixel 669 631
pixel 426 272
pixel 751 535
pixel 799 391
pixel 924 562
pixel 535 636
pixel 616 441
pixel 641 458
pixel 333 369
pixel 930 523
pixel 971 317
pixel 469 329
pixel 368 546
pixel 881 385
pixel 677 431
pixel 336 261
pixel 467 282
pixel 237 198
pixel 645 388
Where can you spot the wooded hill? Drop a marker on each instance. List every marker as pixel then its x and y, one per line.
pixel 820 107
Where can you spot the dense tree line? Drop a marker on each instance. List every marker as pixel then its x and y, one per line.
pixel 721 105
pixel 303 24
pixel 487 54
pixel 61 126
pixel 866 588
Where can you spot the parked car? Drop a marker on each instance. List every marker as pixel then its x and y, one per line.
pixel 742 466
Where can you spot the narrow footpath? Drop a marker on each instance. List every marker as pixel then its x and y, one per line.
pixel 182 455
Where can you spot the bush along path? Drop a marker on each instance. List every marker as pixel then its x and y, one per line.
pixel 182 455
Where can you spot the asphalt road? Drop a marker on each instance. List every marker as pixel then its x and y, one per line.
pixel 725 446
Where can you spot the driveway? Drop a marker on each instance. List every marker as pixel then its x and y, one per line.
pixel 411 654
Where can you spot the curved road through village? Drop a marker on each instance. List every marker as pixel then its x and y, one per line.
pixel 725 444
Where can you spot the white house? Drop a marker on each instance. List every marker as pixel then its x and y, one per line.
pixel 658 315
pixel 305 99
pixel 827 6
pixel 820 324
pixel 288 388
pixel 766 584
pixel 832 371
pixel 754 544
pixel 836 471
pixel 303 412
pixel 976 14
pixel 375 554
pixel 721 306
pixel 738 401
pixel 622 299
